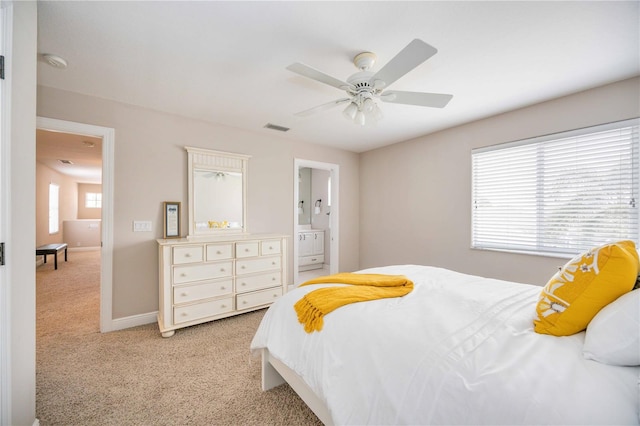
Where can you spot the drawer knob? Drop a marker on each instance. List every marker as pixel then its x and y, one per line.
pixel 184 314
pixel 273 263
pixel 183 274
pixel 273 278
pixel 246 250
pixel 242 267
pixel 223 306
pixel 243 284
pixel 222 287
pixel 244 302
pixel 184 294
pixel 187 255
pixel 218 252
pixel 221 269
pixel 275 295
pixel 270 248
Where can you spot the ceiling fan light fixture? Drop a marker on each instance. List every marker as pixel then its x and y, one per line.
pixel 368 105
pixel 360 118
pixel 350 111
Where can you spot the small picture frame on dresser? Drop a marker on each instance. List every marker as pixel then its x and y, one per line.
pixel 171 213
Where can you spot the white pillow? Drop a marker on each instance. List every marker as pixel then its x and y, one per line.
pixel 613 335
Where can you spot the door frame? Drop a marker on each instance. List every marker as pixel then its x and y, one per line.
pixel 6 28
pixel 334 217
pixel 106 252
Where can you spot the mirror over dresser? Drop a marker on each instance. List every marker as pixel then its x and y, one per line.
pixel 219 269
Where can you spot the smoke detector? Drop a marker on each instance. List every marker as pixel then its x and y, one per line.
pixel 55 61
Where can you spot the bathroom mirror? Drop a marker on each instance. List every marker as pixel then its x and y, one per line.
pixel 217 192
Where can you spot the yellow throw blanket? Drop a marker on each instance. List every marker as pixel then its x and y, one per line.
pixel 316 304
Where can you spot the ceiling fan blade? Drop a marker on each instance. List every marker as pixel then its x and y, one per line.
pixel 322 107
pixel 434 100
pixel 314 74
pixel 407 59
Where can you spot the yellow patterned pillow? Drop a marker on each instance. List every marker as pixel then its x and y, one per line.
pixel 586 284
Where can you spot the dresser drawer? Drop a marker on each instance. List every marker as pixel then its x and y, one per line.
pixel 190 293
pixel 247 249
pixel 207 271
pixel 250 266
pixel 187 254
pixel 310 260
pixel 257 298
pixel 202 310
pixel 256 282
pixel 268 247
pixel 219 251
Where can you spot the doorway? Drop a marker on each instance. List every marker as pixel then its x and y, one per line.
pixel 106 233
pixel 316 219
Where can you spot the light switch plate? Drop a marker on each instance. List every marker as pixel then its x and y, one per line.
pixel 141 226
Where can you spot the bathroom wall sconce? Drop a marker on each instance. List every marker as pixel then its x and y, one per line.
pixel 318 207
pixel 301 207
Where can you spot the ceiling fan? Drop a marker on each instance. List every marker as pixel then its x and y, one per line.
pixel 365 86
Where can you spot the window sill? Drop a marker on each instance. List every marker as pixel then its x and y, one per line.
pixel 527 252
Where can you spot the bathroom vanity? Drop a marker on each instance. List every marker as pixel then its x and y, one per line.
pixel 310 249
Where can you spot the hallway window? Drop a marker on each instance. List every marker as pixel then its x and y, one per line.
pixel 54 222
pixel 93 200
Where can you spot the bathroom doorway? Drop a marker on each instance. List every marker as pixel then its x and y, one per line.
pixel 316 223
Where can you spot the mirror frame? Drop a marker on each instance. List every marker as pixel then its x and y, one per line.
pixel 207 159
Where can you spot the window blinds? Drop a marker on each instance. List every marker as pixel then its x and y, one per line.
pixel 558 194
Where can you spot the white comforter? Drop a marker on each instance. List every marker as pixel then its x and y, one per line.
pixel 459 349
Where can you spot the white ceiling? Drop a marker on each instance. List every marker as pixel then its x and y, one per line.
pixel 225 62
pixel 82 155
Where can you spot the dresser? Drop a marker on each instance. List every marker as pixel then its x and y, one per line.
pixel 310 250
pixel 206 279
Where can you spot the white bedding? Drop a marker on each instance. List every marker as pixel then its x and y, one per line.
pixel 459 349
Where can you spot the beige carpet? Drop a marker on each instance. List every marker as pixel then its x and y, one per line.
pixel 203 375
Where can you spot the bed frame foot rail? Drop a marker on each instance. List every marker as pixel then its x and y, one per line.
pixel 275 373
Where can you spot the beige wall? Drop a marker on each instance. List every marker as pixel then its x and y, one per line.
pixel 83 212
pixel 20 209
pixel 150 167
pixel 415 199
pixel 83 233
pixel 68 203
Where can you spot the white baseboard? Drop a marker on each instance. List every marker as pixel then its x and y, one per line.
pixel 88 248
pixel 132 321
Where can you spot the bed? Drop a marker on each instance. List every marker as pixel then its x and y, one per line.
pixel 458 349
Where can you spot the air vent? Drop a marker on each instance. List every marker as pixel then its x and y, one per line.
pixel 65 161
pixel 276 127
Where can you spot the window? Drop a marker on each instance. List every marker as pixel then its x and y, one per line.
pixel 93 200
pixel 54 222
pixel 559 194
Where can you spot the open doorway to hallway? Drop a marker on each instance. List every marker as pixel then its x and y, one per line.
pixel 69 211
pixel 107 136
